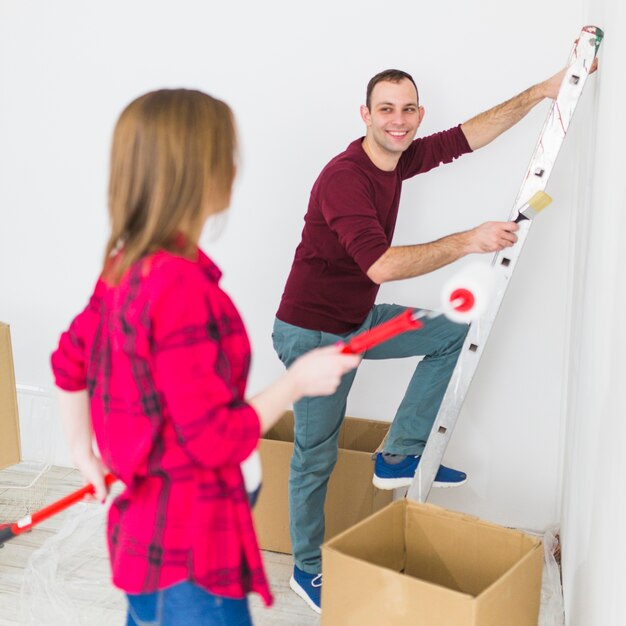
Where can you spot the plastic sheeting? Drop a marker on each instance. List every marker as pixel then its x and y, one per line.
pixel 67 581
pixel 551 613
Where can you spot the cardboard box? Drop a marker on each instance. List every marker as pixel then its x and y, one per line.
pixel 351 496
pixel 422 565
pixel 9 423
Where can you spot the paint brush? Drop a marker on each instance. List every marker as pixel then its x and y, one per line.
pixel 535 205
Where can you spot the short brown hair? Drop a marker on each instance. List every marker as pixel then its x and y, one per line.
pixel 172 163
pixel 392 76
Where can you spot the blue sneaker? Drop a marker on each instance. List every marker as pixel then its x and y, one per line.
pixel 390 476
pixel 308 587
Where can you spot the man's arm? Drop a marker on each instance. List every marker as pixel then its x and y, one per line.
pixel 485 127
pixel 400 262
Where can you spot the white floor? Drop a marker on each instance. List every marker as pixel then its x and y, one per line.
pixel 288 609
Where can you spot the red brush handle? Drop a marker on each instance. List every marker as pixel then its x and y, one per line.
pixel 370 338
pixel 52 509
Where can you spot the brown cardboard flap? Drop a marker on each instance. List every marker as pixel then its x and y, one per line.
pixel 508 600
pixel 355 433
pixel 378 540
pixel 283 430
pixel 361 434
pixel 458 551
pixel 358 593
pixel 9 423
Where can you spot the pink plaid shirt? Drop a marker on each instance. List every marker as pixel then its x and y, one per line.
pixel 164 356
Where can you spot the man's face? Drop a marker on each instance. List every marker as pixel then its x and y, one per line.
pixel 394 115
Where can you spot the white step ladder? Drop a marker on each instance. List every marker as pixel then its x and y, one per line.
pixel 504 262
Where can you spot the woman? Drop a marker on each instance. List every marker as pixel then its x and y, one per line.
pixel 156 366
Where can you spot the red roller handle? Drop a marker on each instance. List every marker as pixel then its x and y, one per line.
pixel 27 522
pixel 370 338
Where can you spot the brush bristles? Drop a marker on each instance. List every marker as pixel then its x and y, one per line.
pixel 539 201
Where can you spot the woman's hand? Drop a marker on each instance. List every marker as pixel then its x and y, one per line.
pixel 93 472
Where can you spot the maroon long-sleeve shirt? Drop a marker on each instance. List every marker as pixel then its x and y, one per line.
pixel 348 226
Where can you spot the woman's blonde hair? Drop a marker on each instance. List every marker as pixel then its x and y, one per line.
pixel 172 165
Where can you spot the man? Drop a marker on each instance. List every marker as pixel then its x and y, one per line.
pixel 344 256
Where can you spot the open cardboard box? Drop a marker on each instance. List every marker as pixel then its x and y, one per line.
pixel 351 495
pixel 422 565
pixel 9 424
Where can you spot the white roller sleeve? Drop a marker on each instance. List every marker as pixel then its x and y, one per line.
pixel 251 470
pixel 466 295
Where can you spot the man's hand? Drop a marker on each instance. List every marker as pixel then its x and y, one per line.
pixel 491 237
pixel 550 87
pixel 485 127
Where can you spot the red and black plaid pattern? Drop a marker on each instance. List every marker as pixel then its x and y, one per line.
pixel 165 357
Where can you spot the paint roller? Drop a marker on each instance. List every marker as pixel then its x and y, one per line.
pixel 465 296
pixel 464 299
pixel 9 531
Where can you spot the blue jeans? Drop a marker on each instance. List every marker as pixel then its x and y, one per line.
pixel 318 420
pixel 186 604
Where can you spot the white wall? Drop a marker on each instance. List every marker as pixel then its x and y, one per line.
pixel 295 76
pixel 594 498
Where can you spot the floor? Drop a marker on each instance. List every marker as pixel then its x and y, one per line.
pixel 28 595
pixel 58 574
